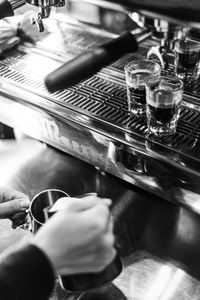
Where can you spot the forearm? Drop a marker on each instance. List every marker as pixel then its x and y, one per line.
pixel 26 274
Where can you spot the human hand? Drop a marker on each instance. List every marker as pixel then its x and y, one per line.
pixel 78 238
pixel 13 205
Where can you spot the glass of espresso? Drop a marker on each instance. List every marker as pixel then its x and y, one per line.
pixel 186 59
pixel 136 74
pixel 163 95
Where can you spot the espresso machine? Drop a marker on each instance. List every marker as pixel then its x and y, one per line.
pixel 83 110
pixel 65 86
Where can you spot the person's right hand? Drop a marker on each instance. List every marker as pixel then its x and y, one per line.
pixel 78 238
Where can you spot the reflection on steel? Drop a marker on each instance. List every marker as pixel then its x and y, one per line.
pixel 149 278
pixel 44 9
pixel 17 3
pixel 173 11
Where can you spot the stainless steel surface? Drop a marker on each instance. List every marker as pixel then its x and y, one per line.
pixel 178 12
pixel 165 33
pixel 45 6
pixel 171 11
pixel 17 3
pixel 44 9
pixel 148 278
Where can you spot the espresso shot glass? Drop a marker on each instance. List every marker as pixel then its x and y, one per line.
pixel 186 60
pixel 163 95
pixel 136 74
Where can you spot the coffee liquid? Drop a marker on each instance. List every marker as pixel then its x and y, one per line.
pixel 187 60
pixel 163 114
pixel 136 88
pixel 138 95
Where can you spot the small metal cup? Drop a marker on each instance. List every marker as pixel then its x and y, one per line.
pixel 39 213
pixel 41 201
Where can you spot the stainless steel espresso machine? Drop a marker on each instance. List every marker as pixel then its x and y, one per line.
pixel 85 112
pixel 82 110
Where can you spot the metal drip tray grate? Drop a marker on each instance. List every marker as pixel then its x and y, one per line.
pixel 107 101
pixel 71 39
pixel 98 97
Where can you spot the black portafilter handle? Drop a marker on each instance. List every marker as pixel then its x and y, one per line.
pixel 90 62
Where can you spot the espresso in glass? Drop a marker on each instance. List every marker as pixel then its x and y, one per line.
pixel 164 96
pixel 137 93
pixel 186 59
pixel 136 73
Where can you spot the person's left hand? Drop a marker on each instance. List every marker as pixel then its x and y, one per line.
pixel 13 205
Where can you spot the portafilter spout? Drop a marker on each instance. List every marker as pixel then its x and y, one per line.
pixel 7 8
pixel 44 9
pixel 164 32
pixel 91 61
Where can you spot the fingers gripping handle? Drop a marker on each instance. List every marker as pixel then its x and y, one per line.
pixel 90 62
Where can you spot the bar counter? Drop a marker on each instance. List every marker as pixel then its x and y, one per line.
pixel 159 242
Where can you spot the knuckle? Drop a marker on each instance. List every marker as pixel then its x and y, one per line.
pixel 113 254
pixel 111 240
pixel 106 244
pixel 73 205
pixel 103 209
pixel 100 226
pixel 101 267
pixel 102 216
pixel 69 204
pixel 106 258
pixel 108 241
pixel 14 205
pixel 110 255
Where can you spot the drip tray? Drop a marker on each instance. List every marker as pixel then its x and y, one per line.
pixel 96 97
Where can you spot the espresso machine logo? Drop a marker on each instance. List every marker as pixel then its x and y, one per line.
pixel 50 129
pixel 71 138
pixel 52 132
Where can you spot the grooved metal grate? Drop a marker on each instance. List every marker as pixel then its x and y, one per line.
pixel 72 39
pixel 96 96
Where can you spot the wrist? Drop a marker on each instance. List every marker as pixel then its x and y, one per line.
pixel 43 250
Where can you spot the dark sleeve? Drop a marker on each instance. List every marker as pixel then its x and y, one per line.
pixel 26 274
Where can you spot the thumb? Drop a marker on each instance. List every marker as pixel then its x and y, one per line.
pixel 87 202
pixel 13 206
pixel 79 204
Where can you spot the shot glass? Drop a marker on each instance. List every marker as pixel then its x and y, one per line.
pixel 163 95
pixel 136 74
pixel 186 59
